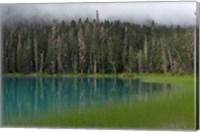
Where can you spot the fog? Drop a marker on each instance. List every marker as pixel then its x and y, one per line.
pixel 164 13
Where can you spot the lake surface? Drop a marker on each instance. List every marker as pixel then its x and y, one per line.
pixel 29 97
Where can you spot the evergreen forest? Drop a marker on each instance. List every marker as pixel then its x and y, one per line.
pixel 95 46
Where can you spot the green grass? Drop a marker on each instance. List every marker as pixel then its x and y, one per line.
pixel 173 112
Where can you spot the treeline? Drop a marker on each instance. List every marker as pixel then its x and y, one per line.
pixel 96 47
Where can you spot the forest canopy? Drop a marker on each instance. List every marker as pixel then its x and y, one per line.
pixel 96 46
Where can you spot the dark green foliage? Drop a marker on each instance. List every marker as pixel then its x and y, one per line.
pixel 96 47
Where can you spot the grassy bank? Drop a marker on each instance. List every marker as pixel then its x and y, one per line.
pixel 96 75
pixel 173 112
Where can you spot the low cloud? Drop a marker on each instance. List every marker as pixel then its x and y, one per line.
pixel 164 13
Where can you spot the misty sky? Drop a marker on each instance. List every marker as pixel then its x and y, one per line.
pixel 165 13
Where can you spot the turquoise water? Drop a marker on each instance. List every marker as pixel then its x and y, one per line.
pixel 29 97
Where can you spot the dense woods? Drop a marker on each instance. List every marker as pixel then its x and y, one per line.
pixel 86 46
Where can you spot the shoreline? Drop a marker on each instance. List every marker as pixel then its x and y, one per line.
pixel 98 75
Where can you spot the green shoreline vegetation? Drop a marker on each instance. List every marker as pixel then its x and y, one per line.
pixel 97 75
pixel 174 112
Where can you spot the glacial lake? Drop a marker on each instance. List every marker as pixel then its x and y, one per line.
pixel 29 97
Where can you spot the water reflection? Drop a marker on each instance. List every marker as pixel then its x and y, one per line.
pixel 31 96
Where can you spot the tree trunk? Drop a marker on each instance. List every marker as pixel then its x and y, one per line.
pixel 95 65
pixel 41 61
pixel 164 59
pixel 35 54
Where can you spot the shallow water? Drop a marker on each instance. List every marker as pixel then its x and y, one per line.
pixel 29 97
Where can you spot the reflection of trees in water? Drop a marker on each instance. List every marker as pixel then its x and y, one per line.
pixel 147 90
pixel 28 96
